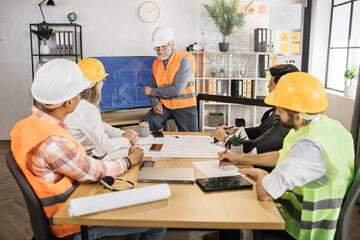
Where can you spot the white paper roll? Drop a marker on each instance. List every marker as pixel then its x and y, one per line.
pixel 113 200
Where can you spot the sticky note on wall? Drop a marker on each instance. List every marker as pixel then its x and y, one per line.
pixel 295 37
pixel 284 37
pixel 251 10
pixel 284 47
pixel 261 9
pixel 241 8
pixel 295 48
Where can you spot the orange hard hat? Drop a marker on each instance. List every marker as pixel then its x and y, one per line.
pixel 299 92
pixel 92 69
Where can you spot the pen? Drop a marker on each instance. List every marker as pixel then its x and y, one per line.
pixel 141 85
pixel 224 153
pixel 229 128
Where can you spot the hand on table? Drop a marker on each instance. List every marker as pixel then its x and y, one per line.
pixel 253 172
pixel 131 135
pixel 228 158
pixel 221 134
pixel 135 154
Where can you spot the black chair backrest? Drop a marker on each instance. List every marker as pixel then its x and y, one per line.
pixel 39 221
pixel 343 225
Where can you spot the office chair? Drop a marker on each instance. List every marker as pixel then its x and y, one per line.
pixel 38 219
pixel 343 226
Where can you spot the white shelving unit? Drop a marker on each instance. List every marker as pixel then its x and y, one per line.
pixel 215 73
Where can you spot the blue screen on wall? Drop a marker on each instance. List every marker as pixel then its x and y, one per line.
pixel 121 89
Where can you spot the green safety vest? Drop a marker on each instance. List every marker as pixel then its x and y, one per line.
pixel 312 211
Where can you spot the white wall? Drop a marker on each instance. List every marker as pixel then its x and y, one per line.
pixel 110 28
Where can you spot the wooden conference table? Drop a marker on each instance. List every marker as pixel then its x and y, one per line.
pixel 188 206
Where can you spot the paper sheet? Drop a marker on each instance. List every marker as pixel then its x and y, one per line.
pixel 212 169
pixel 117 154
pixel 188 146
pixel 113 200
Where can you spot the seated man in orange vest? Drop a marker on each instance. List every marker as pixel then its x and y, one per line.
pixel 172 91
pixel 52 161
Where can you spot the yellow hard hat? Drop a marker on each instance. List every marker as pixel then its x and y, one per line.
pixel 92 69
pixel 299 92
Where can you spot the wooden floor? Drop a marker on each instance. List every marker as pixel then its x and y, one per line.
pixel 15 222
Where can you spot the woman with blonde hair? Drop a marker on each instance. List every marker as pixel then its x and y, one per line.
pixel 85 123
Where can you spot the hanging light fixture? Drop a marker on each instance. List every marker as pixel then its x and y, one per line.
pixel 49 3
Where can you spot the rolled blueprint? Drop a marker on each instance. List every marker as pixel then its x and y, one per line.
pixel 113 200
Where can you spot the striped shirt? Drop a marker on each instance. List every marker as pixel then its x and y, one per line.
pixel 57 156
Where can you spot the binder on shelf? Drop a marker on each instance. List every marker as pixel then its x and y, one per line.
pixel 236 88
pixel 258 40
pixel 269 40
pixel 253 89
pixel 57 42
pixel 66 41
pixel 248 89
pixel 62 43
pixel 264 40
pixel 244 92
pixel 272 36
pixel 263 65
pixel 71 42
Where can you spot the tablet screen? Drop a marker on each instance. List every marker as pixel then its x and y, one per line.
pixel 223 183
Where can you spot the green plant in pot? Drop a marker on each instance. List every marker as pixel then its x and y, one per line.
pixel 43 34
pixel 351 76
pixel 144 129
pixel 226 18
pixel 236 143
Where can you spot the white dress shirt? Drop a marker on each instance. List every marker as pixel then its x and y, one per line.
pixel 87 127
pixel 304 164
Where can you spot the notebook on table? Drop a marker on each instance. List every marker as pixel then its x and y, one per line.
pixel 216 184
pixel 166 175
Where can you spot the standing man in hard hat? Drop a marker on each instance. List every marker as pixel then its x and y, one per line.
pixel 315 166
pixel 172 91
pixel 52 161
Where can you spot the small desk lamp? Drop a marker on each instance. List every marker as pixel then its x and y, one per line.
pixel 49 3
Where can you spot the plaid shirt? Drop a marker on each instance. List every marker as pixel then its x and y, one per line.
pixel 57 156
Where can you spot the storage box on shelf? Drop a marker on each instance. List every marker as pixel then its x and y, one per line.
pixel 235 74
pixel 65 42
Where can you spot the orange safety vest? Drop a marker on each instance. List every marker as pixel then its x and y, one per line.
pixel 165 78
pixel 26 135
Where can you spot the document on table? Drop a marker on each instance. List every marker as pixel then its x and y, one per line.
pixel 120 199
pixel 212 169
pixel 188 146
pixel 117 154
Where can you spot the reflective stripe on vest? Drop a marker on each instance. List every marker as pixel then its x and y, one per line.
pixel 165 78
pixel 27 134
pixel 312 211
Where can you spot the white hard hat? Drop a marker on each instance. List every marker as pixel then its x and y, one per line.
pixel 58 81
pixel 161 36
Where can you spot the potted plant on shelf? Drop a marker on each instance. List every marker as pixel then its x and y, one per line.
pixel 226 18
pixel 144 129
pixel 351 75
pixel 236 143
pixel 43 34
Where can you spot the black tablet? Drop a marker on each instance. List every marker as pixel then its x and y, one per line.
pixel 216 184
